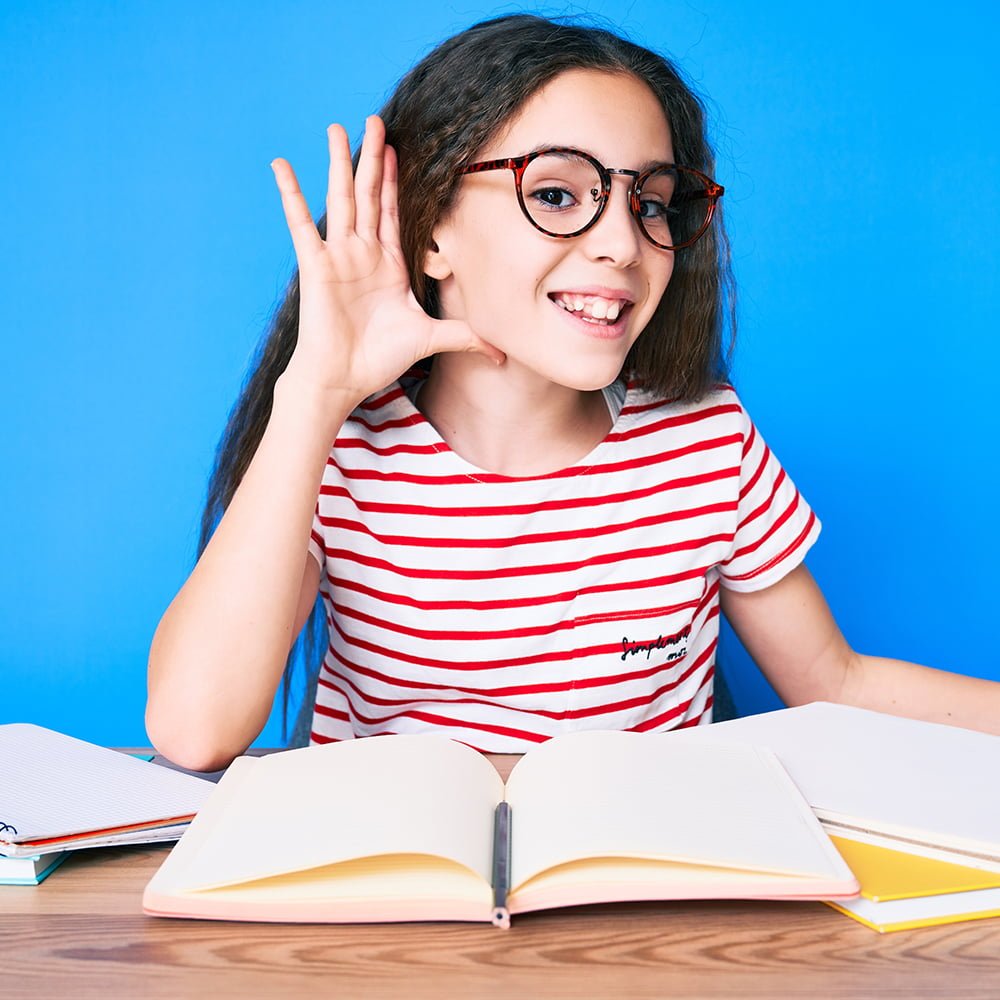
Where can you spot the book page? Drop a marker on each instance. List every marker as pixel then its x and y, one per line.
pixel 317 806
pixel 382 879
pixel 618 794
pixel 55 786
pixel 643 878
pixel 896 776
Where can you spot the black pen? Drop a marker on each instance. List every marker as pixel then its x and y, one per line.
pixel 501 864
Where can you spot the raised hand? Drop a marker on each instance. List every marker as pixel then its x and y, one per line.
pixel 360 325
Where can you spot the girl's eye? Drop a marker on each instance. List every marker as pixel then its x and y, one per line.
pixel 654 210
pixel 553 197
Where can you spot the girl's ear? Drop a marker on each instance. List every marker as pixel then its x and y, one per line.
pixel 436 262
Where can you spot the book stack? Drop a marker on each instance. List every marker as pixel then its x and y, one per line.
pixel 30 870
pixel 909 805
pixel 59 794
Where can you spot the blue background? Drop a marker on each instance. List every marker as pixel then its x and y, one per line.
pixel 143 249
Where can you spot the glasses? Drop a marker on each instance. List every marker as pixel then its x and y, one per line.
pixel 563 192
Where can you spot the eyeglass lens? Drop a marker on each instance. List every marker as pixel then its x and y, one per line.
pixel 561 194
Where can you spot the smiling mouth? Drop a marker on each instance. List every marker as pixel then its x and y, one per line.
pixel 592 308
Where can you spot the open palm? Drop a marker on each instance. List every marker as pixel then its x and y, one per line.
pixel 360 325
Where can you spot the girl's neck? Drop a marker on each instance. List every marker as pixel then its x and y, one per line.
pixel 509 420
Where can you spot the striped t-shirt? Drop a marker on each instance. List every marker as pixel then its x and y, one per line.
pixel 504 610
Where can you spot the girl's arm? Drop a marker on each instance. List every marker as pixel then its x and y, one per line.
pixel 219 652
pixel 220 649
pixel 789 631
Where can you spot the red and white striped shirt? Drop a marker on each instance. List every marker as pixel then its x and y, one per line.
pixel 505 610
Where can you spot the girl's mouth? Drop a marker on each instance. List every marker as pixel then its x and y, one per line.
pixel 599 316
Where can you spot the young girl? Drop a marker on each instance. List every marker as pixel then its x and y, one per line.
pixel 535 531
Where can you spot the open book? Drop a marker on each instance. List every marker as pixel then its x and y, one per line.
pixel 422 828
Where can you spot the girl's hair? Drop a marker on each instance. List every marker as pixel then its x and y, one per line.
pixel 447 108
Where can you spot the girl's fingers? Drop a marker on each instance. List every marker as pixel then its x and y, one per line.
pixel 368 179
pixel 340 185
pixel 388 220
pixel 305 238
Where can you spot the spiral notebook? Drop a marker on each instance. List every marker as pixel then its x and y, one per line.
pixel 61 793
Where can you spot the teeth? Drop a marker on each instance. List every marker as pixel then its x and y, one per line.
pixel 592 307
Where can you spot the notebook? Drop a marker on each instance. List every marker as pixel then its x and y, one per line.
pixel 394 828
pixel 919 787
pixel 59 793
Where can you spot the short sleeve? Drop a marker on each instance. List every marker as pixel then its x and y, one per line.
pixel 316 547
pixel 775 526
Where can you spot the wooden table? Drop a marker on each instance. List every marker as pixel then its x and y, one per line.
pixel 82 934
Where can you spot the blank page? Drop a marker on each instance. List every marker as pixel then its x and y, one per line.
pixel 52 785
pixel 614 794
pixel 320 805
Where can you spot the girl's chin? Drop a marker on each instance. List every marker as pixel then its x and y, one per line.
pixel 577 377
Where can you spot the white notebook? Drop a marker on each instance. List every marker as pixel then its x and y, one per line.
pixel 914 786
pixel 58 792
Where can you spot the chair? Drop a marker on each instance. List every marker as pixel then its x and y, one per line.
pixel 723 706
pixel 302 727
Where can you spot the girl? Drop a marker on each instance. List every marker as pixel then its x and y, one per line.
pixel 535 531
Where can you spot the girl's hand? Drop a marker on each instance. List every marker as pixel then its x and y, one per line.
pixel 360 325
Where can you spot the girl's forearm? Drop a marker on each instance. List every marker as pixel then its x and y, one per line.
pixel 914 691
pixel 218 654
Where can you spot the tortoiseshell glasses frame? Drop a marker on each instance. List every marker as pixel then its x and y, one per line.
pixel 702 187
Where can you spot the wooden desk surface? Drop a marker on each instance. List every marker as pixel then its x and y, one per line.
pixel 82 933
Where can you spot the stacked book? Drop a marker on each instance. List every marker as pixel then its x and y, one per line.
pixel 59 794
pixel 912 807
pixel 30 870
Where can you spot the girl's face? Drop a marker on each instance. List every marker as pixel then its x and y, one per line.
pixel 513 284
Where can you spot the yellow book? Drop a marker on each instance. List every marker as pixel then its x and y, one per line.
pixel 900 891
pixel 887 874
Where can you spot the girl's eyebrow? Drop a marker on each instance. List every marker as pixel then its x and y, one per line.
pixel 642 168
pixel 553 145
pixel 649 164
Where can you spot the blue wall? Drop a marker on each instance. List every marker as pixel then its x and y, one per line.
pixel 143 248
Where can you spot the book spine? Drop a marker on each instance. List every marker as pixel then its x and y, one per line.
pixel 501 865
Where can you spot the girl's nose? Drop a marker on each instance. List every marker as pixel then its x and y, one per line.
pixel 616 238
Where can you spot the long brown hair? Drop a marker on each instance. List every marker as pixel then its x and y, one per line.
pixel 453 102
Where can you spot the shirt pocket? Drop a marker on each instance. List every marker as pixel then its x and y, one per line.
pixel 640 625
